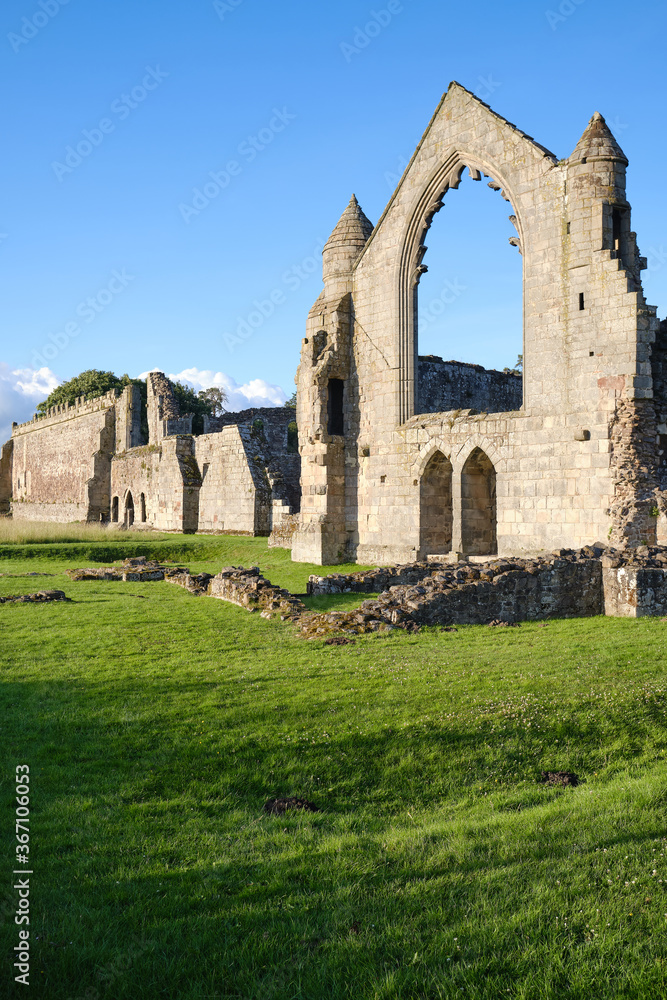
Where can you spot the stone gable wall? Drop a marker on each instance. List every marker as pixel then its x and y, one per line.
pixel 564 464
pixel 234 495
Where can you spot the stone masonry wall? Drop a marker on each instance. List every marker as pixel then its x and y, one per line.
pixel 6 452
pixel 455 385
pixel 61 462
pixel 573 463
pixel 162 406
pixel 169 479
pixel 235 494
pixel 268 427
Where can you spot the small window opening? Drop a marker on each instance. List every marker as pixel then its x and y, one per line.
pixel 383 479
pixel 335 406
pixel 114 509
pixel 568 228
pixel 292 438
pixel 581 301
pixel 143 507
pixel 591 354
pixel 616 230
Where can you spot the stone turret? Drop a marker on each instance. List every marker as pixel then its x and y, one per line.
pixel 596 177
pixel 344 246
pixel 598 143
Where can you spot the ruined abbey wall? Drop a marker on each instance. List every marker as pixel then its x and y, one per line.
pixel 577 461
pixel 61 462
pixel 235 493
pixel 88 463
pixel 443 386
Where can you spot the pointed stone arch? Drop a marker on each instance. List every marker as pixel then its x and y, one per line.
pixel 484 444
pixel 445 176
pixel 435 505
pixel 426 452
pixel 479 513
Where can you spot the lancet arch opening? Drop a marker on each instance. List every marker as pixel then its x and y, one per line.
pixel 462 307
pixel 435 506
pixel 478 506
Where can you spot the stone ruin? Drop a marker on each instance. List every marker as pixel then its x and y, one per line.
pixel 404 456
pixel 92 462
pixel 594 580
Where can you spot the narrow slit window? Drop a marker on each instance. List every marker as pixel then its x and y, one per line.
pixel 616 230
pixel 581 301
pixel 335 406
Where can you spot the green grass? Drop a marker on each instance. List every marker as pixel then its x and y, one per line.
pixel 157 724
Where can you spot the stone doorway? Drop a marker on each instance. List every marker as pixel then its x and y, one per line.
pixel 435 506
pixel 129 511
pixel 478 506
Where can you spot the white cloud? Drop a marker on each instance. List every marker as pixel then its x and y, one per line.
pixel 257 392
pixel 21 389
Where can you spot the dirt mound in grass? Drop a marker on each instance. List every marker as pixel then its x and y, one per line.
pixel 564 778
pixel 276 807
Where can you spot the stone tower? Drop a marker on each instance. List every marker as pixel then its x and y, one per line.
pixel 326 404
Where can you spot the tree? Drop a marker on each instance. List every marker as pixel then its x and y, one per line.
pixel 518 367
pixel 189 401
pixel 93 383
pixel 291 402
pixel 89 384
pixel 215 397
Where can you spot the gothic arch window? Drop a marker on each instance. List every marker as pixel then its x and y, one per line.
pixel 461 310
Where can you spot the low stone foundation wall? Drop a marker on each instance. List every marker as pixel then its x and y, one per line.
pixel 250 590
pixel 371 581
pixel 41 597
pixel 568 584
pixel 568 587
pixel 136 570
pixel 635 583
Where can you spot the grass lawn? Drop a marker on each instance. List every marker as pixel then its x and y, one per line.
pixel 156 725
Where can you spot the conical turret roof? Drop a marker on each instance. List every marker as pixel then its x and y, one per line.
pixel 352 229
pixel 597 142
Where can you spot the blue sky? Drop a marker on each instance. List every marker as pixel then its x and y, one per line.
pixel 307 106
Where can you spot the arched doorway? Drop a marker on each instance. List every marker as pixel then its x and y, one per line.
pixel 129 510
pixel 435 506
pixel 114 509
pixel 478 506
